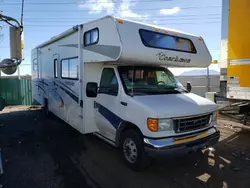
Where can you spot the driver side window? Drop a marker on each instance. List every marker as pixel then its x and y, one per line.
pixel 109 83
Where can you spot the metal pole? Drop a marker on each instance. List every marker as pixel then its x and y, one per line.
pixel 208 80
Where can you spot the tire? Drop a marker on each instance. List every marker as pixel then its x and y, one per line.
pixel 46 111
pixel 132 150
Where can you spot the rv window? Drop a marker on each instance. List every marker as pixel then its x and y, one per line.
pixel 35 64
pixel 109 83
pixel 69 68
pixel 55 68
pixel 163 41
pixel 91 37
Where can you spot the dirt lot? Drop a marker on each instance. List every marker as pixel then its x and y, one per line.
pixel 47 153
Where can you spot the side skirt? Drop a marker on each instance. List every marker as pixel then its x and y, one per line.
pixel 105 139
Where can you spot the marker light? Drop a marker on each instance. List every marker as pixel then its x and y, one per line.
pixel 120 21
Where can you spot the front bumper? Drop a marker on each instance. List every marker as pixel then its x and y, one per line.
pixel 181 145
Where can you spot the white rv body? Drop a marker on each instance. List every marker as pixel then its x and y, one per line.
pixel 117 44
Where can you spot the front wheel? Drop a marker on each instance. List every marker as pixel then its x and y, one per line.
pixel 132 150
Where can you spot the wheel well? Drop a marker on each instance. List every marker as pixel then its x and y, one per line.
pixel 45 102
pixel 124 126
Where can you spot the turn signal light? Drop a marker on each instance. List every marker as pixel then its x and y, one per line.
pixel 153 124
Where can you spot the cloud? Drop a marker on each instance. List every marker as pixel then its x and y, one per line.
pixel 170 11
pixel 120 8
pixel 155 21
pixel 98 6
pixel 125 11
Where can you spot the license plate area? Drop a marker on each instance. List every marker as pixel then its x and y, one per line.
pixel 190 139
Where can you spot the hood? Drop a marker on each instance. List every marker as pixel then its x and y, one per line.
pixel 176 105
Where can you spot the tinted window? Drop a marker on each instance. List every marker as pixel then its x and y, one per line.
pixel 109 84
pixel 55 68
pixel 91 37
pixel 69 68
pixel 164 41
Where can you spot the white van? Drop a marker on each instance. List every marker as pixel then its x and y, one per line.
pixel 110 77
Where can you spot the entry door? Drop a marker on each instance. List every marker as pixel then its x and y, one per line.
pixel 106 104
pixel 55 101
pixel 35 84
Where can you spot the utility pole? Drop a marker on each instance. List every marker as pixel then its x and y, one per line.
pixel 9 65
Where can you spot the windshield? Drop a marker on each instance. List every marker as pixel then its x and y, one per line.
pixel 143 80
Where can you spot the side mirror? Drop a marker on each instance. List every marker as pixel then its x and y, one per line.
pixel 189 87
pixel 91 89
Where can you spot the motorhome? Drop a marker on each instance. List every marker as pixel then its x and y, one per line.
pixel 110 77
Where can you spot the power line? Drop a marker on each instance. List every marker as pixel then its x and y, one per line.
pixel 69 21
pixel 175 23
pixel 88 18
pixel 146 18
pixel 138 9
pixel 76 3
pixel 142 9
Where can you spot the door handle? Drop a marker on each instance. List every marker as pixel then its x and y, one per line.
pixel 124 103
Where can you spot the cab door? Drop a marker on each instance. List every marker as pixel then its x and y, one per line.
pixel 107 103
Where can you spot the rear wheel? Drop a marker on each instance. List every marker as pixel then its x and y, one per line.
pixel 46 111
pixel 132 150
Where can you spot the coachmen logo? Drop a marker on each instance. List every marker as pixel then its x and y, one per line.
pixel 164 57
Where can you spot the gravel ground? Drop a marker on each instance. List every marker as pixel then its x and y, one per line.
pixel 47 153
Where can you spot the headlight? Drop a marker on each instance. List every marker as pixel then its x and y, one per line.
pixel 156 125
pixel 165 124
pixel 214 116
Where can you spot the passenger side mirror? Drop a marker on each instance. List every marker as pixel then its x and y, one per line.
pixel 189 87
pixel 91 89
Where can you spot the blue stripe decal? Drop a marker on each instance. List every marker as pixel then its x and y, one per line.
pixel 74 97
pixel 68 88
pixel 110 116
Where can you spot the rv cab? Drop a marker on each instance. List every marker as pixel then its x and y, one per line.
pixel 102 79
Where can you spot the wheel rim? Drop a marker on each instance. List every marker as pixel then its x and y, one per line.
pixel 130 150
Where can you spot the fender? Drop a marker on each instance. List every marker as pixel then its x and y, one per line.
pixel 124 125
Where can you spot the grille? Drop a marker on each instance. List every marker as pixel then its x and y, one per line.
pixel 192 123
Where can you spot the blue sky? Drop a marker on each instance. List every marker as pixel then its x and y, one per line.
pixel 44 19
